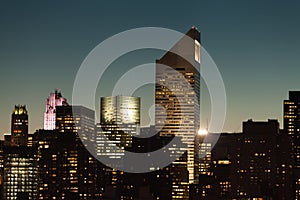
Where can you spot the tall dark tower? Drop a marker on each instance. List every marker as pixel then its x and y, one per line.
pixel 291 122
pixel 19 126
pixel 181 104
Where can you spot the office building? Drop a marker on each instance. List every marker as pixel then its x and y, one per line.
pixel 19 126
pixel 53 100
pixel 291 123
pixel 66 169
pixel 20 173
pixel 76 119
pixel 178 112
pixel 119 121
pixel 254 162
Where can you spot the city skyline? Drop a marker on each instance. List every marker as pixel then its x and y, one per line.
pixel 281 120
pixel 80 156
pixel 43 50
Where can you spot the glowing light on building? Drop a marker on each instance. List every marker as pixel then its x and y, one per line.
pixel 20 173
pixel 120 120
pixel 54 99
pixel 19 126
pixel 202 132
pixel 181 116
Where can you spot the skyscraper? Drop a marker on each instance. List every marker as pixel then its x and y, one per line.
pixel 255 161
pixel 291 122
pixel 119 121
pixel 66 169
pixel 54 99
pixel 20 173
pixel 120 110
pixel 181 104
pixel 76 119
pixel 19 126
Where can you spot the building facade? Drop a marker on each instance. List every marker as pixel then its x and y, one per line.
pixel 19 126
pixel 291 123
pixel 177 99
pixel 66 169
pixel 53 100
pixel 119 121
pixel 20 173
pixel 76 119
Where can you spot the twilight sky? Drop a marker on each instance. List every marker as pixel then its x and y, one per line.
pixel 254 43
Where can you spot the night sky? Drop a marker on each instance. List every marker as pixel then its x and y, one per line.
pixel 254 43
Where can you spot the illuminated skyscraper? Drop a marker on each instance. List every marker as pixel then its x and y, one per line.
pixel 120 110
pixel 181 114
pixel 119 121
pixel 54 99
pixel 19 126
pixel 20 173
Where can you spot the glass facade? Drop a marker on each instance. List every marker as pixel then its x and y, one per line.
pixel 120 120
pixel 120 110
pixel 177 99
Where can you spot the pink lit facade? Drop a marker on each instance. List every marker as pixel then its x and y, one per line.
pixel 54 99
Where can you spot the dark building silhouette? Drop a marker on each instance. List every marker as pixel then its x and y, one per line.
pixel 284 186
pixel 291 122
pixel 222 169
pixel 23 196
pixel 1 167
pixel 255 160
pixel 248 165
pixel 19 126
pixel 66 169
pixel 76 119
pixel 154 185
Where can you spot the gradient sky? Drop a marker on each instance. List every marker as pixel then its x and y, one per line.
pixel 255 44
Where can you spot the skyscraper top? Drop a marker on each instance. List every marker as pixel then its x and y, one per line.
pixel 20 110
pixel 194 27
pixel 55 99
pixel 184 52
